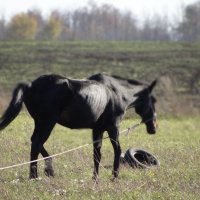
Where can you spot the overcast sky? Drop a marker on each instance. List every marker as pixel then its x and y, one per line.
pixel 139 8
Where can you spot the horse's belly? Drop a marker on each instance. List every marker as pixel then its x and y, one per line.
pixel 77 118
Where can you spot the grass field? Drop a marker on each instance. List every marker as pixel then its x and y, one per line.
pixel 173 64
pixel 26 60
pixel 176 145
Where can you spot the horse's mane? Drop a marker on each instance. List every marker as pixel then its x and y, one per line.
pixel 108 79
pixel 131 81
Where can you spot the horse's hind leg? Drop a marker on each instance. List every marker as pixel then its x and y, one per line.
pixel 48 163
pixel 40 135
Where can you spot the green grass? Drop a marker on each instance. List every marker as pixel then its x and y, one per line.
pixel 146 61
pixel 176 145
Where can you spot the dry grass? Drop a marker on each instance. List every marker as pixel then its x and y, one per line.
pixel 3 99
pixel 177 146
pixel 175 65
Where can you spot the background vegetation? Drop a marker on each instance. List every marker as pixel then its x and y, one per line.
pixel 175 65
pixel 103 39
pixel 176 145
pixel 103 22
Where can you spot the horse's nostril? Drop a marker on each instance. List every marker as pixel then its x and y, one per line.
pixel 151 131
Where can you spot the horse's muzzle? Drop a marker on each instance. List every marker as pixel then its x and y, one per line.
pixel 151 131
pixel 151 128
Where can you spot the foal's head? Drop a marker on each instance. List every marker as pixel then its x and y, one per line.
pixel 145 107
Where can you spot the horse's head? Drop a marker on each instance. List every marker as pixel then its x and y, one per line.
pixel 145 107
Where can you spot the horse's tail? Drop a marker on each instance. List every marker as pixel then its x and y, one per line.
pixel 15 105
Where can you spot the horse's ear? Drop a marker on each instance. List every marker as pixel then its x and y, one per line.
pixel 152 85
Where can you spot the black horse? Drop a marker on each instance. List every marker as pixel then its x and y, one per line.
pixel 98 102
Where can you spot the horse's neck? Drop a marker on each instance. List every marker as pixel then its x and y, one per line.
pixel 131 96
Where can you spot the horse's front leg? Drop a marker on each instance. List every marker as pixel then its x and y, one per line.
pixel 114 138
pixel 97 143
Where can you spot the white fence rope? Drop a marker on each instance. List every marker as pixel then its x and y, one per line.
pixel 67 151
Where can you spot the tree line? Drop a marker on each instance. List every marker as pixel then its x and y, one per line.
pixel 104 22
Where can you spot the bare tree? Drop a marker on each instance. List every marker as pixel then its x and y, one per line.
pixel 2 29
pixel 189 27
pixel 155 29
pixel 104 22
pixel 195 82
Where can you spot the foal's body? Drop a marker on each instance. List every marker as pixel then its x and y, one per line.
pixel 98 103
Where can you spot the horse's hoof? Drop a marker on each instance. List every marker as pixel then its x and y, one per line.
pixel 49 172
pixel 95 178
pixel 114 179
pixel 115 173
pixel 33 172
pixel 33 176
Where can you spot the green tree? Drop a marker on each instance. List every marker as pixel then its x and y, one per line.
pixel 54 26
pixel 22 26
